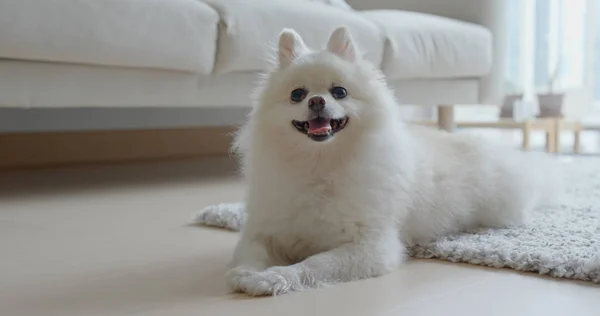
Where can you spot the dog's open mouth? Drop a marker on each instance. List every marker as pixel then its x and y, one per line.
pixel 320 128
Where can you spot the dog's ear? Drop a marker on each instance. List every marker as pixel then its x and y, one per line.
pixel 342 44
pixel 291 46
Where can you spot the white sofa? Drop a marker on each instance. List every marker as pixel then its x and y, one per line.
pixel 132 63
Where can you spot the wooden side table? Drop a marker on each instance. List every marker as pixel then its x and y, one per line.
pixel 575 126
pixel 551 126
pixel 526 126
pixel 544 124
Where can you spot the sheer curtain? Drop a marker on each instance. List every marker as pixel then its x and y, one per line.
pixel 554 45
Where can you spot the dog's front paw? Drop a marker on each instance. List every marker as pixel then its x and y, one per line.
pixel 273 281
pixel 230 216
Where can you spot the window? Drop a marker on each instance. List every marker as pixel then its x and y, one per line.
pixel 554 39
pixel 596 54
pixel 542 32
pixel 514 61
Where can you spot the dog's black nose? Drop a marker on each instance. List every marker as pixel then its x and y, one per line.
pixel 316 103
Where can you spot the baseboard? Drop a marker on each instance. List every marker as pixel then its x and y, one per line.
pixel 24 150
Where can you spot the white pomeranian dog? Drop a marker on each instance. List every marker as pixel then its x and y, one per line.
pixel 339 186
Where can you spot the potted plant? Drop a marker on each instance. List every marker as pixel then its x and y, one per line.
pixel 551 102
pixel 514 94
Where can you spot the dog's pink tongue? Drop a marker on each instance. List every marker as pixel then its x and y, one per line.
pixel 319 126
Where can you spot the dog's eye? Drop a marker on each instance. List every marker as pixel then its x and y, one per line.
pixel 298 95
pixel 339 92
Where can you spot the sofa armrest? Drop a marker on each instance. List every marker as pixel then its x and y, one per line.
pixel 491 14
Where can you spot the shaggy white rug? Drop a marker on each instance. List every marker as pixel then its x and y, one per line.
pixel 562 241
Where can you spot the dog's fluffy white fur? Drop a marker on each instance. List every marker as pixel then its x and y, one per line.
pixel 344 209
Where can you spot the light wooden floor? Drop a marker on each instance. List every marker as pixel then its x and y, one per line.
pixel 114 241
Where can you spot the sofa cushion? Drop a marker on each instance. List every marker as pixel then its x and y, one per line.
pixel 428 46
pixel 174 34
pixel 249 29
